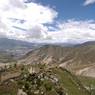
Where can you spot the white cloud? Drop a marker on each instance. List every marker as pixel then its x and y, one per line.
pixel 31 18
pixel 74 31
pixel 87 2
pixel 6 5
pixel 34 16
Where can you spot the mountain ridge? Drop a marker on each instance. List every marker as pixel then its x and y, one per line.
pixel 75 59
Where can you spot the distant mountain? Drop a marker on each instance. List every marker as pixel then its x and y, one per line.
pixel 79 59
pixel 14 48
pixel 18 48
pixel 6 43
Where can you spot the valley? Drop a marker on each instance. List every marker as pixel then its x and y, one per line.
pixel 73 67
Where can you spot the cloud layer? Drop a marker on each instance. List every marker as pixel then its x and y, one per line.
pixel 87 2
pixel 28 16
pixel 28 22
pixel 75 31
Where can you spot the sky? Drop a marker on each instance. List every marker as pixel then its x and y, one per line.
pixel 69 21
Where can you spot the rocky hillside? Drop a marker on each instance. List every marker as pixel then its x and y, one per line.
pixel 46 65
pixel 79 59
pixel 41 79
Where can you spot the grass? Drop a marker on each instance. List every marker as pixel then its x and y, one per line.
pixel 89 83
pixel 70 83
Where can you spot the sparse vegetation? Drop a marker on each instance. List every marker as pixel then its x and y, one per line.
pixel 47 80
pixel 39 73
pixel 43 82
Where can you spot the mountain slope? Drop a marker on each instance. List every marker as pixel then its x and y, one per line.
pixel 78 59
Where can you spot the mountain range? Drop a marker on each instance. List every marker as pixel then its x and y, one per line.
pixel 79 59
pixel 68 66
pixel 15 48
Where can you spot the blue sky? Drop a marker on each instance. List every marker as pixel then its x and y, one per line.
pixel 71 9
pixel 48 20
